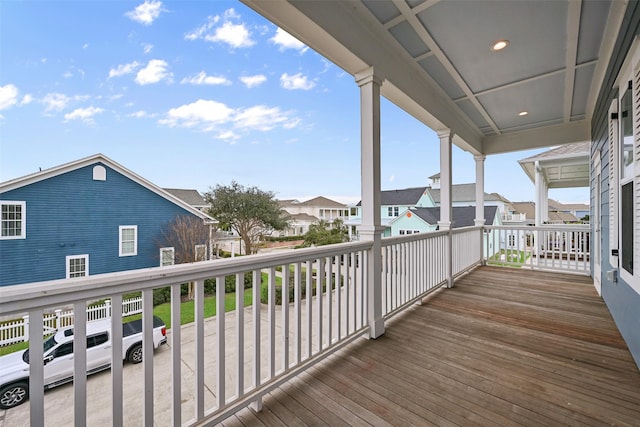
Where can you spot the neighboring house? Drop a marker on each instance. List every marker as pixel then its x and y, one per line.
pixel 465 195
pixel 392 204
pixel 191 197
pixel 303 214
pixel 86 217
pixel 421 220
pixel 528 211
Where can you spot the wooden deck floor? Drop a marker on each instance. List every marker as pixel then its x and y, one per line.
pixel 503 347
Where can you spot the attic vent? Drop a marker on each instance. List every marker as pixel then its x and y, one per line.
pixel 99 173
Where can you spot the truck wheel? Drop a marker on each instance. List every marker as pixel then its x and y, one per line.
pixel 135 354
pixel 13 395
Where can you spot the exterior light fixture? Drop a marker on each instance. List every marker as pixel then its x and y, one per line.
pixel 499 45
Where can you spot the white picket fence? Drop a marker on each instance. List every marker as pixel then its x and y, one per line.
pixel 15 331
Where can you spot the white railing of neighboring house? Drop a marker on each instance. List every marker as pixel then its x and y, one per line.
pixel 14 331
pixel 548 247
pixel 248 353
pixel 514 217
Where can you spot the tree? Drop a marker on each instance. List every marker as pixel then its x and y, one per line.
pixel 188 236
pixel 248 211
pixel 326 233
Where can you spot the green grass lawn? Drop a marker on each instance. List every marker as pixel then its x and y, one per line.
pixel 511 257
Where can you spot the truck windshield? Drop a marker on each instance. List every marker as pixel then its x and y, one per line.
pixel 47 344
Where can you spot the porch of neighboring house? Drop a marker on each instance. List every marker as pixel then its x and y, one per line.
pixel 502 347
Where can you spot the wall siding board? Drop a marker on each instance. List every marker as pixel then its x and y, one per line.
pixel 71 214
pixel 623 302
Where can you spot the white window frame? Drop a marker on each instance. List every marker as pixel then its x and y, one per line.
pixel 203 250
pixel 68 260
pixel 23 219
pixel 630 71
pixel 170 250
pixel 135 240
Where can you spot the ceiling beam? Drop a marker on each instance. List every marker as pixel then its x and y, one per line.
pixel 573 32
pixel 564 133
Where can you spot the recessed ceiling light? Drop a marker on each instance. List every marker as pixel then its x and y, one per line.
pixel 523 113
pixel 499 45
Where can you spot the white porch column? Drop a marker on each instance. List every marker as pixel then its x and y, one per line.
pixel 446 206
pixel 538 194
pixel 371 228
pixel 480 219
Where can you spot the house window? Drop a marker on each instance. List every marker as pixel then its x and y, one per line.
pixel 77 266
pixel 128 240
pixel 201 252
pixel 14 220
pixel 624 172
pixel 403 232
pixel 393 211
pixel 167 256
pixel 626 180
pixel 354 212
pixel 512 240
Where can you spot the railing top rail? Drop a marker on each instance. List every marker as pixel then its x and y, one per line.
pixel 546 227
pixel 39 295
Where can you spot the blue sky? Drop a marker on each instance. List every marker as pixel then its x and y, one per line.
pixel 190 94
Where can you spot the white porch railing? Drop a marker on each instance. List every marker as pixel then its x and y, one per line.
pixel 247 353
pixel 549 247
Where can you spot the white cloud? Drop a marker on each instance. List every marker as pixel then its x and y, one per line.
pixel 209 116
pixel 286 41
pixel 84 114
pixel 27 99
pixel 296 81
pixel 235 35
pixel 392 178
pixel 262 118
pixel 8 96
pixel 201 112
pixel 146 12
pixel 139 114
pixel 154 72
pixel 147 47
pixel 55 102
pixel 86 45
pixel 253 81
pixel 228 136
pixel 124 69
pixel 202 79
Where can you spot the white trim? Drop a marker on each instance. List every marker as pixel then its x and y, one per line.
pixel 135 240
pixel 629 72
pixel 169 250
pixel 23 219
pixel 73 257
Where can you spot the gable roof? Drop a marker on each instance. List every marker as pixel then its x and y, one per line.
pixel 99 158
pixel 192 197
pixel 465 193
pixel 462 216
pixel 321 201
pixel 403 197
pixel 529 209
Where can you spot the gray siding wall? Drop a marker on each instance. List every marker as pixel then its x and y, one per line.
pixel 623 302
pixel 71 214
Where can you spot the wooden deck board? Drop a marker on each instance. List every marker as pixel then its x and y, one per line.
pixel 503 347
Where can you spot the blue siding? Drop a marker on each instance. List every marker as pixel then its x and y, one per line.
pixel 623 302
pixel 71 214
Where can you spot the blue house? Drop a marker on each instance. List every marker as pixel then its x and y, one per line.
pixel 87 217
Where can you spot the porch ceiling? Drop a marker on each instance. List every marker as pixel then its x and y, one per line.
pixel 438 64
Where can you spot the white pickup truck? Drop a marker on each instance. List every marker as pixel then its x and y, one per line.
pixel 58 357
